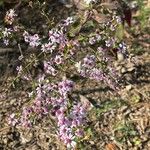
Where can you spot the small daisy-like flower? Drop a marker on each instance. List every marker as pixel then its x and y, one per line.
pixel 6 32
pixel 33 40
pixel 78 66
pixel 58 59
pixel 48 47
pixel 19 69
pixel 12 119
pixel 70 142
pixel 68 21
pixel 10 16
pixel 92 40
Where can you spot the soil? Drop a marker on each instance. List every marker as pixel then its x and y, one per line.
pixel 120 119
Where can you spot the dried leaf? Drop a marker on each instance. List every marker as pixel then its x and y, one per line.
pixel 85 16
pixel 110 6
pixel 100 18
pixel 81 4
pixel 82 20
pixel 74 31
pixel 86 102
pixel 111 146
pixel 119 32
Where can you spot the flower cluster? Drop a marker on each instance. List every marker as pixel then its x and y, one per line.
pixel 49 69
pixel 70 122
pixel 95 38
pixel 89 55
pixel 33 40
pixel 91 68
pixel 5 35
pixel 71 125
pixel 64 87
pixel 12 119
pixel 10 16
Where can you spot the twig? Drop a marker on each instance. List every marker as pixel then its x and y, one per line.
pixel 6 50
pixel 5 128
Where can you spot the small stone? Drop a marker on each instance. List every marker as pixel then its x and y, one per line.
pixel 91 142
pixel 123 108
pixel 5 140
pixel 25 138
pixel 129 87
pixel 123 70
pixel 131 69
pixel 120 57
pixel 116 64
pixel 130 66
pixel 118 68
pixel 12 101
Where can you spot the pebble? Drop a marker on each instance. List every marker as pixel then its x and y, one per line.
pixel 130 66
pixel 26 138
pixel 127 112
pixel 120 57
pixel 123 70
pixel 131 69
pixel 118 68
pixel 91 142
pixel 123 108
pixel 129 87
pixel 5 140
pixel 12 101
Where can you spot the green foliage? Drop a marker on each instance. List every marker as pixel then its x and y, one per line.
pixel 109 105
pixel 119 32
pixel 124 130
pixel 143 13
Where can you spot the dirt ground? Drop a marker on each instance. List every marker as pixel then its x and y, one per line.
pixel 119 121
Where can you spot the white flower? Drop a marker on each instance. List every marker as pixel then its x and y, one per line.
pixel 48 47
pixel 10 15
pixel 69 20
pixel 30 94
pixel 70 141
pixel 6 32
pixel 89 1
pixel 58 59
pixel 78 66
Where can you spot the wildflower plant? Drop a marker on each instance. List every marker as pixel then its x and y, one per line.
pixel 86 44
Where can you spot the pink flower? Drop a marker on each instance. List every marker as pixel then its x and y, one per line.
pixel 65 86
pixel 48 47
pixel 68 21
pixel 12 120
pixel 10 16
pixel 49 68
pixel 58 59
pixel 89 61
pixel 33 40
pixel 70 141
pixel 79 133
